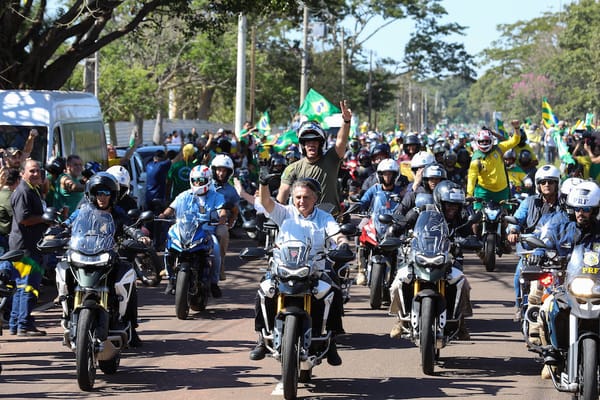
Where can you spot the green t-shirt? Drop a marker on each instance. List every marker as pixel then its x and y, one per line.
pixel 325 171
pixel 6 213
pixel 179 175
pixel 66 198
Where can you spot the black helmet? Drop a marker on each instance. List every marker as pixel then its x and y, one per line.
pixel 439 148
pixel 277 163
pixel 225 145
pixel 450 158
pixel 411 139
pixel 380 148
pixel 525 157
pixel 102 181
pixel 56 166
pixel 292 155
pixel 364 158
pixel 448 192
pixel 354 145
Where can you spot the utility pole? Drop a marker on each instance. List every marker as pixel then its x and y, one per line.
pixel 240 87
pixel 252 74
pixel 304 65
pixel 343 64
pixel 369 85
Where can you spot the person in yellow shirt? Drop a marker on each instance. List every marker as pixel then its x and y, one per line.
pixel 519 181
pixel 487 177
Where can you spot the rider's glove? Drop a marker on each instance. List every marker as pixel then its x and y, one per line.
pixel 265 179
pixel 536 259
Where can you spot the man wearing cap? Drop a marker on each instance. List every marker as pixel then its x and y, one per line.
pixel 14 157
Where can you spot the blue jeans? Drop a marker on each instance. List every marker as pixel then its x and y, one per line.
pixel 518 294
pixel 24 301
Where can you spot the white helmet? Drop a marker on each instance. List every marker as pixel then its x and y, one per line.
pixel 586 194
pixel 224 161
pixel 200 174
pixel 387 165
pixel 567 186
pixel 122 176
pixel 421 160
pixel 547 172
pixel 484 140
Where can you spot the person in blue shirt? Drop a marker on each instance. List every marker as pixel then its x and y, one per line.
pixel 201 199
pixel 222 169
pixel 387 174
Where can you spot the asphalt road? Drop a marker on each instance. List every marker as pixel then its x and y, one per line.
pixel 206 356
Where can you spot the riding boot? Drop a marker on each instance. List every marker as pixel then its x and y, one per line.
pixel 333 358
pixel 260 350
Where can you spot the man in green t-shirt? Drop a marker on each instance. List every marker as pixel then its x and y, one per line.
pixel 178 177
pixel 71 186
pixel 317 163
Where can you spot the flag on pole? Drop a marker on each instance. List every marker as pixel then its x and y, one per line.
pixel 264 124
pixel 316 107
pixel 285 140
pixel 548 117
pixel 501 130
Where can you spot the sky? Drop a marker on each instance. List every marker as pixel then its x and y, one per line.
pixel 480 17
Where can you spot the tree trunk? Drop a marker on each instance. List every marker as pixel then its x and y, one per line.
pixel 112 129
pixel 158 137
pixel 204 103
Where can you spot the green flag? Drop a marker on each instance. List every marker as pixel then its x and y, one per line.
pixel 284 140
pixel 316 107
pixel 548 117
pixel 500 128
pixel 589 119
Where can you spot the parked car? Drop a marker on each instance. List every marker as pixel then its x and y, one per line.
pixel 137 168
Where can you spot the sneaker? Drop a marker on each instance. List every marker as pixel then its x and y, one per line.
pixel 31 332
pixel 518 316
pixel 361 279
pixel 215 291
pixel 396 332
pixel 259 351
pixel 11 332
pixel 333 358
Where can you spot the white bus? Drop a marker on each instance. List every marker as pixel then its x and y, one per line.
pixel 67 123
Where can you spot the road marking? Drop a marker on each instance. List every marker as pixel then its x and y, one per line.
pixel 278 391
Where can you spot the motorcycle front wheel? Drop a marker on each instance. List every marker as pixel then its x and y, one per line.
pixel 182 290
pixel 376 285
pixel 588 369
pixel 427 336
pixel 290 357
pixel 489 252
pixel 86 369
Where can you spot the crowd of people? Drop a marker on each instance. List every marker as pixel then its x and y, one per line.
pixel 452 164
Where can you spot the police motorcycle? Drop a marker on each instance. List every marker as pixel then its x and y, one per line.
pixel 189 250
pixel 94 318
pixel 570 326
pixel 294 335
pixel 433 289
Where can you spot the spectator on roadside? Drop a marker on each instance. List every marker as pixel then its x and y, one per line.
pixel 177 137
pixel 27 229
pixel 113 159
pixel 178 176
pixel 14 157
pixel 71 186
pixel 9 179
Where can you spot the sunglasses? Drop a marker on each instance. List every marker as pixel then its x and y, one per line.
pixel 485 142
pixel 582 209
pixel 103 193
pixel 546 182
pixel 199 181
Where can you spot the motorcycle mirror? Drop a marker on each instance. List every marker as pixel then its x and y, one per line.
pixel 386 219
pixel 511 220
pixel 146 216
pixel 50 215
pixel 534 242
pixel 349 229
pixel 134 214
pixel 12 256
pixel 252 253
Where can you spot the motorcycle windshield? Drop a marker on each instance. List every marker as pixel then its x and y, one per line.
pixel 293 254
pixel 382 203
pixel 93 231
pixel 583 271
pixel 431 234
pixel 187 223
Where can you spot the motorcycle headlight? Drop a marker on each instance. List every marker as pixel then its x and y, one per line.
pixel 436 260
pixel 492 214
pixel 82 259
pixel 582 287
pixel 292 272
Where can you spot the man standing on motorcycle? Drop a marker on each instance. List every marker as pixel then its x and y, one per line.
pixel 530 214
pixel 387 173
pixel 487 178
pixel 206 199
pixel 302 214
